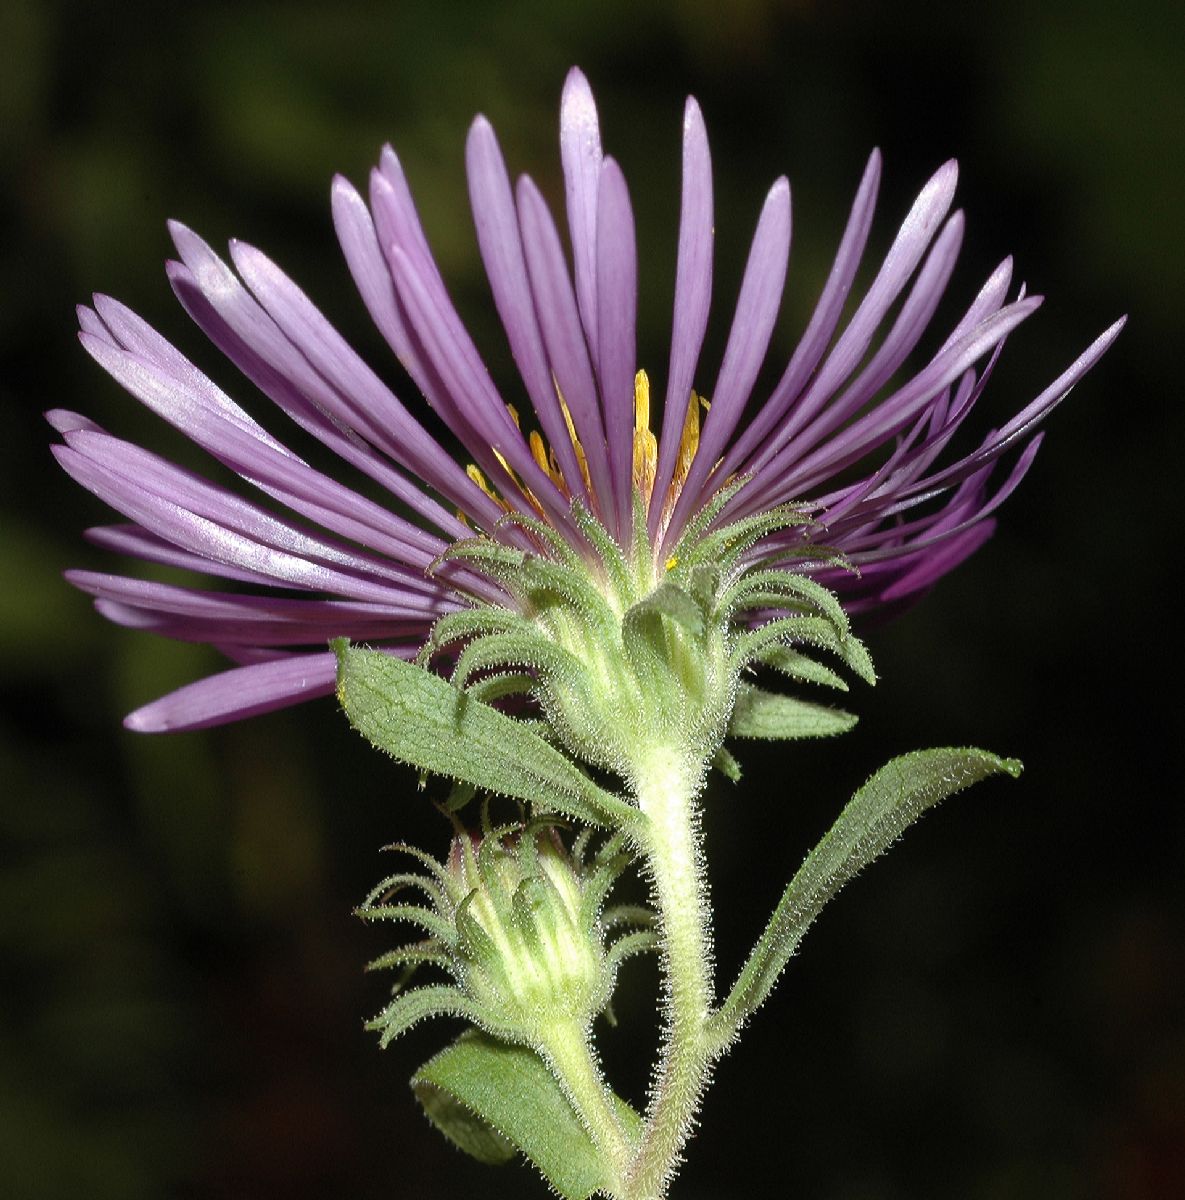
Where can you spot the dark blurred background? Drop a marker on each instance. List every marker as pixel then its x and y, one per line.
pixel 997 1009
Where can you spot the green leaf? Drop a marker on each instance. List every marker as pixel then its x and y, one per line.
pixel 874 818
pixel 463 1127
pixel 468 623
pixel 605 545
pixel 755 646
pixel 410 1008
pixel 761 714
pixel 421 719
pixel 801 666
pixel 530 648
pixel 784 589
pixel 646 636
pixel 727 765
pixel 667 600
pixel 491 1098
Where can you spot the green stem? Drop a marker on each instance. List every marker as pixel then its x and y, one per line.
pixel 568 1050
pixel 666 790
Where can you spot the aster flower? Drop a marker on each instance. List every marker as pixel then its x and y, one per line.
pixel 847 435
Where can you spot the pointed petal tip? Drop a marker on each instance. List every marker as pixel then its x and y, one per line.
pixel 109 309
pixel 389 163
pixel 191 246
pixel 249 261
pixel 526 190
pixel 244 255
pixel 578 108
pixel 575 81
pixel 480 126
pixel 143 721
pixel 1091 355
pixel 944 181
pixel 341 189
pixel 64 420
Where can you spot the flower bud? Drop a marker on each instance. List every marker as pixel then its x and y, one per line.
pixel 519 925
pixel 530 945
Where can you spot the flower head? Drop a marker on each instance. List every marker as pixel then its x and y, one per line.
pixel 519 925
pixel 845 436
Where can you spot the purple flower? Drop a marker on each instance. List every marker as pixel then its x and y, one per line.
pixel 322 560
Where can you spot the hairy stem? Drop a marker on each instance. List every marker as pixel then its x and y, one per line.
pixel 666 789
pixel 569 1054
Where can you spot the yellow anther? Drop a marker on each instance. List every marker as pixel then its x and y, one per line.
pixel 478 478
pixel 538 451
pixel 581 460
pixel 641 402
pixel 672 562
pixel 644 464
pixel 689 441
pixel 645 443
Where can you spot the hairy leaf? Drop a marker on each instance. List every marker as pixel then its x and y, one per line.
pixel 874 818
pixel 755 645
pixel 761 714
pixel 667 600
pixel 801 666
pixel 421 719
pixel 409 1008
pixel 491 1098
pixel 727 765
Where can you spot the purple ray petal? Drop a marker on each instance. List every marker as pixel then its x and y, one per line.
pixel 907 250
pixel 748 340
pixel 322 415
pixel 787 477
pixel 252 453
pixel 194 602
pixel 559 322
pixel 157 496
pixel 908 328
pixel 238 693
pixel 64 421
pixel 135 542
pixel 496 220
pixel 470 384
pixel 580 150
pixel 617 310
pixel 360 245
pixel 693 296
pixel 466 398
pixel 220 617
pixel 240 326
pixel 821 328
pixel 1059 389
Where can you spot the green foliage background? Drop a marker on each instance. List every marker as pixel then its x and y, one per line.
pixel 997 1009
